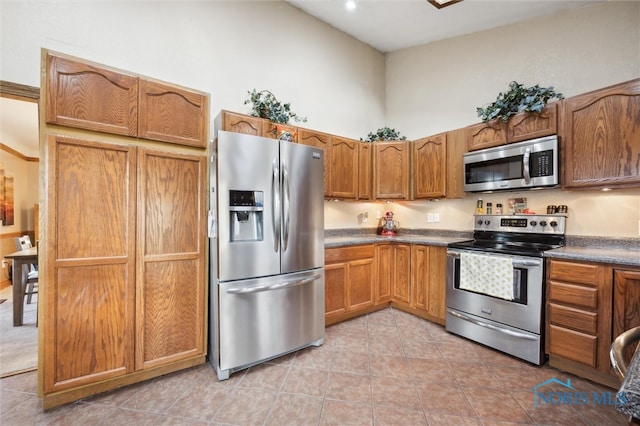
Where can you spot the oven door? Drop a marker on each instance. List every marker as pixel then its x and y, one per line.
pixel 523 312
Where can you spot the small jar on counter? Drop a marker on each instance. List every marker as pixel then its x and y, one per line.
pixel 479 209
pixel 489 208
pixel 498 208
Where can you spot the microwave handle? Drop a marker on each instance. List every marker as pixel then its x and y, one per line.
pixel 525 166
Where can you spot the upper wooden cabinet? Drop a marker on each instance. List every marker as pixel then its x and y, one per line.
pixel 91 97
pixel 172 114
pixel 94 97
pixel 344 168
pixel 429 167
pixel 391 165
pixel 239 123
pixel 365 171
pixel 274 130
pixel 323 141
pixel 486 135
pixel 520 127
pixel 456 147
pixel 531 125
pixel 601 138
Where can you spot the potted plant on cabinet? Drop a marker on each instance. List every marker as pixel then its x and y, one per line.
pixel 384 134
pixel 517 99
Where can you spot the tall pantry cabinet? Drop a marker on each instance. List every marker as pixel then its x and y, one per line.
pixel 122 247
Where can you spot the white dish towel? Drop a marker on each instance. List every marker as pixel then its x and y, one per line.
pixel 487 274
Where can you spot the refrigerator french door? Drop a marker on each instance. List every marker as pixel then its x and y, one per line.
pixel 267 250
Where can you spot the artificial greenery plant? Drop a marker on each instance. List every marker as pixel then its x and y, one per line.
pixel 266 105
pixel 517 99
pixel 384 134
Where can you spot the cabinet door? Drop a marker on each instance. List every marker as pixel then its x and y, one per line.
pixel 90 97
pixel 344 168
pixel 456 147
pixel 319 140
pixel 531 125
pixel 274 130
pixel 360 284
pixel 335 290
pixel 240 123
pixel 170 257
pixel 486 135
pixel 391 170
pixel 173 114
pixel 429 166
pixel 365 171
pixel 626 303
pixel 601 137
pixel 384 254
pixel 401 289
pixel 89 263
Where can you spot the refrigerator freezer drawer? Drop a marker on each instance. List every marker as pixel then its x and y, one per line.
pixel 263 318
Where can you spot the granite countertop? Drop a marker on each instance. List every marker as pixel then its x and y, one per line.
pixel 628 397
pixel 335 239
pixel 621 251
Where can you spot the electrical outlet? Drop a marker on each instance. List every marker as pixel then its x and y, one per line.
pixel 378 214
pixel 4 264
pixel 436 217
pixel 430 217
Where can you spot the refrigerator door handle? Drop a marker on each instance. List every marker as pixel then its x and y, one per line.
pixel 286 206
pixel 249 290
pixel 275 191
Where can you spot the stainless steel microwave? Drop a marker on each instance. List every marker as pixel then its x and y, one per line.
pixel 523 165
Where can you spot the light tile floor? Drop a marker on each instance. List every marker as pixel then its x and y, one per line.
pixel 385 368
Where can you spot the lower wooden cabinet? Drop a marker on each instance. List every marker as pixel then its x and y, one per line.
pixel 394 272
pixel 428 281
pixel 578 319
pixel 349 274
pixel 626 302
pixel 360 279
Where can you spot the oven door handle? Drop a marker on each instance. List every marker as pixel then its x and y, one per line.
pixel 515 262
pixel 490 326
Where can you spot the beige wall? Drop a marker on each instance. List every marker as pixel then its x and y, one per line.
pixel 221 47
pixel 437 87
pixel 342 85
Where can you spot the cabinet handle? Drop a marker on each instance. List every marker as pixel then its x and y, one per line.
pixel 288 284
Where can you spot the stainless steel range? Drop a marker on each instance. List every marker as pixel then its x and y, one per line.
pixel 495 282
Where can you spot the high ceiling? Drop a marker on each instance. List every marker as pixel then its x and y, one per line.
pixel 389 25
pixel 386 25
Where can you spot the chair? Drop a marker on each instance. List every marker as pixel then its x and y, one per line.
pixel 30 275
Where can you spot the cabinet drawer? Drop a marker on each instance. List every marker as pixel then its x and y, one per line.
pixel 573 294
pixel 573 345
pixel 345 254
pixel 574 272
pixel 586 322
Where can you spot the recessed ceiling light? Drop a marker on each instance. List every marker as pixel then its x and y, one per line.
pixel 350 4
pixel 443 3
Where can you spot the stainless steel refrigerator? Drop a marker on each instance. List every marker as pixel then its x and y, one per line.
pixel 266 228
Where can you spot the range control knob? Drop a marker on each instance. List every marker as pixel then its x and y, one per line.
pixel 479 221
pixel 543 223
pixel 486 222
pixel 553 223
pixel 533 223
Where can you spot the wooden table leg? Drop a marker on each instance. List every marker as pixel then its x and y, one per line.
pixel 17 292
